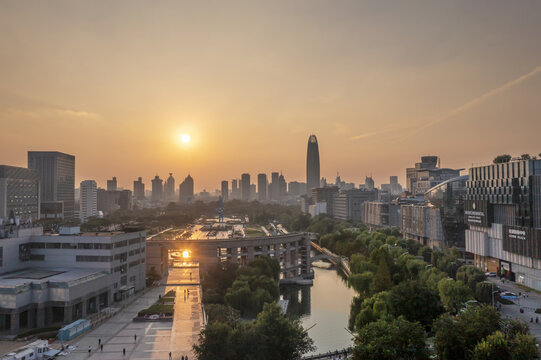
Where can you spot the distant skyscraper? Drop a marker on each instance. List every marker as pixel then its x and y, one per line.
pixel 88 200
pixel 186 190
pixel 139 189
pixel 312 164
pixel 57 182
pixel 274 187
pixel 282 187
pixel 19 194
pixel 262 187
pixel 245 187
pixel 225 190
pixel 169 188
pixel 157 189
pixel 369 183
pixel 112 184
pixel 234 189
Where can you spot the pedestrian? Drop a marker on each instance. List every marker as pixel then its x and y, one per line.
pixel 170 356
pixel 99 341
pixel 537 319
pixel 123 352
pixel 89 350
pixel 135 338
pixel 101 346
pixel 182 357
pixel 190 276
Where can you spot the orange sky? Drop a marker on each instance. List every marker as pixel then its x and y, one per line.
pixel 379 82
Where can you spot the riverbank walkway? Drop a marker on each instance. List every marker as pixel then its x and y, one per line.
pixel 154 339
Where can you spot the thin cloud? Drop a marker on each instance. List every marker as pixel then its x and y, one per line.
pixel 52 113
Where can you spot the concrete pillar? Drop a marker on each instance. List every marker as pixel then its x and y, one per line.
pixel 14 329
pixel 83 308
pixel 40 316
pixel 265 251
pixel 68 313
pixel 287 260
pixel 48 315
pixel 235 254
pixel 251 251
pixel 277 252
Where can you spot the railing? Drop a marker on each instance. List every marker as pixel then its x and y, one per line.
pixel 337 260
pixel 338 354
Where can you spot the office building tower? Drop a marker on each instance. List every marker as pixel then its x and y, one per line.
pixel 296 188
pixel 19 194
pixel 139 189
pixel 348 204
pixel 57 182
pixel 157 189
pixel 186 191
pixel 274 187
pixel 396 188
pixel 225 190
pixel 369 183
pixel 111 201
pixel 503 211
pixel 427 174
pixel 235 189
pixel 88 200
pixel 282 187
pixel 325 195
pixel 262 187
pixel 312 164
pixel 169 188
pixel 245 187
pixel 112 184
pixel 253 192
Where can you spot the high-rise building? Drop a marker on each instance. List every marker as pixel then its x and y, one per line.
pixel 325 195
pixel 157 189
pixel 245 187
pixel 110 201
pixel 225 190
pixel 169 188
pixel 262 187
pixel 396 188
pixel 139 189
pixel 112 184
pixel 88 200
pixel 427 174
pixel 348 204
pixel 369 183
pixel 19 194
pixel 312 164
pixel 274 187
pixel 282 187
pixel 235 189
pixel 186 190
pixel 57 182
pixel 296 188
pixel 503 211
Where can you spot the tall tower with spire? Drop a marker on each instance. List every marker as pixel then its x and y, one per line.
pixel 312 165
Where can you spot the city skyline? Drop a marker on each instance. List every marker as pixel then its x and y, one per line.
pixel 124 82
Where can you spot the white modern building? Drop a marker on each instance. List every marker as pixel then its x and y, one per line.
pixel 55 279
pixel 88 200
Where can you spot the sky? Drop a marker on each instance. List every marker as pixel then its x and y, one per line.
pixel 380 83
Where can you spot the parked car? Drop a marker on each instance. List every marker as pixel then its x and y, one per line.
pixel 490 274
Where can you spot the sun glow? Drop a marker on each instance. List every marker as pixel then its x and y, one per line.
pixel 185 254
pixel 185 138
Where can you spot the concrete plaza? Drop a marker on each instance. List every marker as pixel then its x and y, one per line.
pixel 154 339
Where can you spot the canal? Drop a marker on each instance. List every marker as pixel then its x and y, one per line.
pixel 323 308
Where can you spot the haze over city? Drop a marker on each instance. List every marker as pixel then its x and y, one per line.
pixel 380 83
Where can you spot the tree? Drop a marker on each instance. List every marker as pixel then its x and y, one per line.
pixel 214 342
pixel 483 292
pixel 361 282
pixel 524 347
pixel 382 279
pixel 495 346
pixel 456 336
pixel 282 338
pixel 453 294
pixel 470 275
pixel 390 339
pixel 415 302
pixel 502 159
pixel 525 157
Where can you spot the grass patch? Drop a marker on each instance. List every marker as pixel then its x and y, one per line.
pixel 525 288
pixel 49 329
pixel 170 293
pixel 254 232
pixel 158 309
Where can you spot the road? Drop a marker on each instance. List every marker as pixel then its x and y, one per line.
pixel 154 339
pixel 529 301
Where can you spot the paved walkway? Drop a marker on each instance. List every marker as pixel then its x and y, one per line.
pixel 529 301
pixel 154 339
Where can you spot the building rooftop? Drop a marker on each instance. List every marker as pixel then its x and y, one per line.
pixel 68 276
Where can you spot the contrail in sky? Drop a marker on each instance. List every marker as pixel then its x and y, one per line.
pixel 477 100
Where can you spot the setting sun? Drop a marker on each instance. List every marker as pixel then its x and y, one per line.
pixel 185 138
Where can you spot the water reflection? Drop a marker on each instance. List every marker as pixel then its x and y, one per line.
pixel 323 309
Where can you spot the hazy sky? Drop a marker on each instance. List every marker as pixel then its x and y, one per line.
pixel 379 82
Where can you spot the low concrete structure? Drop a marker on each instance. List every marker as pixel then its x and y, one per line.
pixel 55 279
